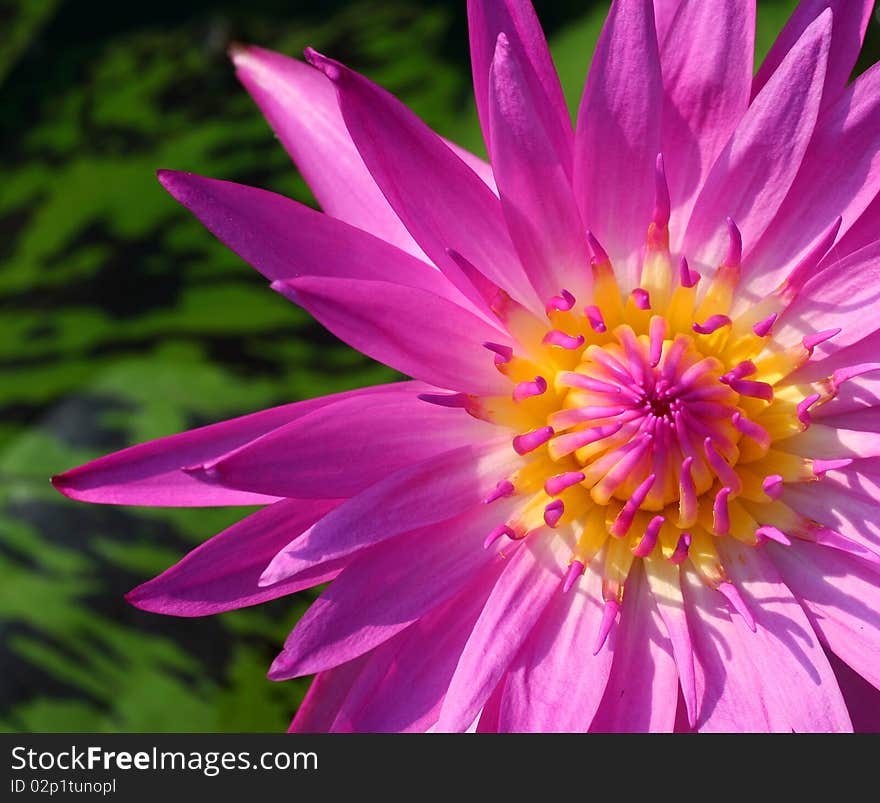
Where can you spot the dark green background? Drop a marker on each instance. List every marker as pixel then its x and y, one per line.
pixel 121 320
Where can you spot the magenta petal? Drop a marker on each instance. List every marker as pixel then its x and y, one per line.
pixel 284 239
pixel 154 473
pixel 341 449
pixel 417 496
pixel 300 105
pixel 618 134
pixel 642 690
pixel 862 699
pixel 325 697
pixel 839 176
pixel 416 332
pixel 842 598
pixel 553 684
pixel 533 180
pixel 851 19
pixel 861 232
pixel 707 89
pixel 419 571
pixel 775 679
pixel 440 200
pixel 518 21
pixel 517 601
pixel 223 573
pixel 754 171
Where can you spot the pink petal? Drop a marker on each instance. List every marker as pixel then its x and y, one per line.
pixel 753 173
pixel 839 176
pixel 664 14
pixel 642 691
pixel 518 21
pixel 153 473
pixel 844 295
pixel 517 601
pixel 416 332
pixel 300 105
pixel 533 180
pixel 443 204
pixel 618 134
pixel 842 599
pixel 862 699
pixel 223 573
pixel 325 697
pixel 425 494
pixel 862 232
pixel 775 679
pixel 341 449
pixel 284 239
pixel 851 19
pixel 707 90
pixel 554 684
pixel 416 572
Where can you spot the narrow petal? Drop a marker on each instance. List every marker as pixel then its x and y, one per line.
pixel 554 684
pixel 223 573
pixel 341 449
pixel 154 473
pixel 775 679
pixel 842 599
pixel 300 105
pixel 664 14
pixel 754 171
pixel 419 571
pixel 516 603
pixel 535 188
pixel 325 697
pixel 851 19
pixel 642 691
pixel 862 699
pixel 518 21
pixel 707 91
pixel 839 176
pixel 416 332
pixel 425 494
pixel 862 232
pixel 440 200
pixel 284 239
pixel 618 134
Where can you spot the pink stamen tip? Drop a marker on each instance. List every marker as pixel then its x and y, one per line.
pixel 745 368
pixel 763 328
pixel 735 245
pixel 502 489
pixel 748 387
pixel 773 486
pixel 712 324
pixel 503 354
pixel 556 338
pixel 499 532
pixel 624 519
pixel 820 467
pixel 556 485
pixel 721 467
pixel 642 298
pixel 720 512
pixel 575 569
pixel 661 196
pixel 657 332
pixel 767 533
pixel 525 390
pixel 561 303
pixel 529 441
pixel 599 253
pixel 750 429
pixel 594 316
pixel 811 341
pixel 731 593
pixel 609 616
pixel 553 512
pixel 803 409
pixel 686 276
pixel 649 539
pixel 682 548
pixel 446 399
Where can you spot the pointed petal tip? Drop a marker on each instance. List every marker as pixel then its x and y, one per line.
pixel 732 595
pixel 332 69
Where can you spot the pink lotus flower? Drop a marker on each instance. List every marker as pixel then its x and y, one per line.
pixel 633 484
